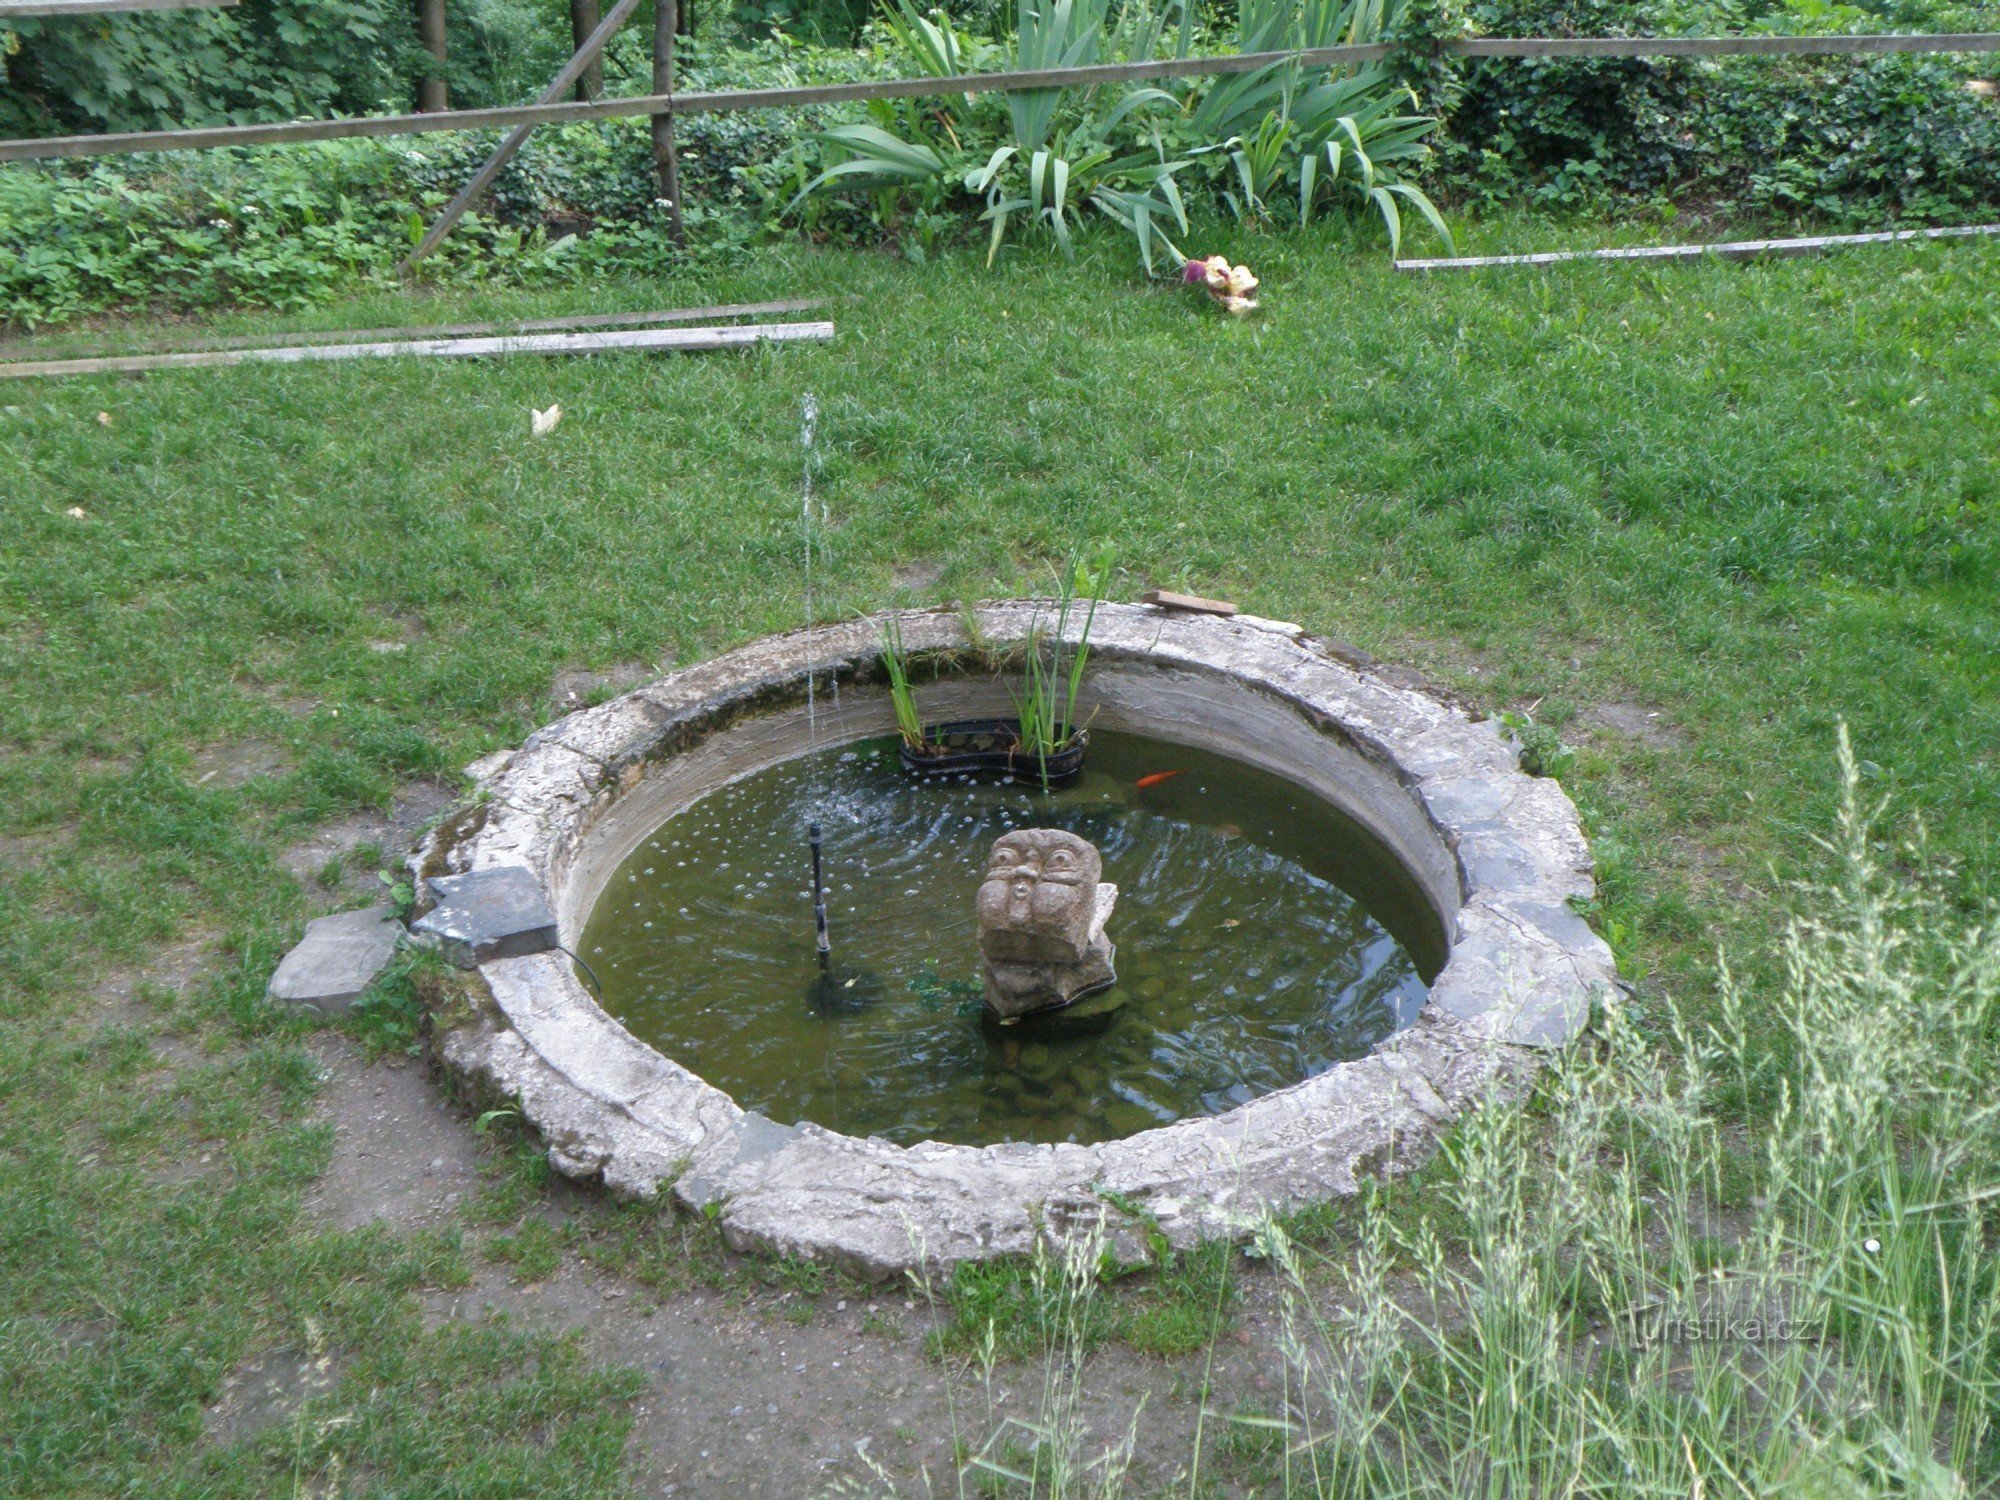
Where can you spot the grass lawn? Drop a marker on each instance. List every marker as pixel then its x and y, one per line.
pixel 1691 517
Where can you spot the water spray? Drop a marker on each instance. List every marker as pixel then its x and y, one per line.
pixel 808 431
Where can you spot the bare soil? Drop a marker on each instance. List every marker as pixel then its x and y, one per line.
pixel 749 1391
pixel 1645 726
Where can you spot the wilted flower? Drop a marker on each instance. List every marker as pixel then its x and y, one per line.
pixel 1230 286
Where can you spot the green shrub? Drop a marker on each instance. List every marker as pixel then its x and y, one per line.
pixel 269 59
pixel 1841 139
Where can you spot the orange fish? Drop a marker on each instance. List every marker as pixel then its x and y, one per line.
pixel 1156 778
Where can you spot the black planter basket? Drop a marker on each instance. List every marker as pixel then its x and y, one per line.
pixel 992 745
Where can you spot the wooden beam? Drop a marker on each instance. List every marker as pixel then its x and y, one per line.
pixel 736 336
pixel 727 100
pixel 466 330
pixel 1723 250
pixel 21 9
pixel 504 152
pixel 1720 46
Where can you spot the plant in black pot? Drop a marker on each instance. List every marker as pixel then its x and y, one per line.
pixel 1043 744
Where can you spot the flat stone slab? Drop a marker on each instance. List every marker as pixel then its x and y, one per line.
pixel 337 960
pixel 497 913
pixel 1499 855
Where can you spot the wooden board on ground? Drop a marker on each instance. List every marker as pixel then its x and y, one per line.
pixel 714 314
pixel 1189 603
pixel 683 340
pixel 1724 250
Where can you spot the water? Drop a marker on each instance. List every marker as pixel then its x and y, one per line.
pixel 1262 937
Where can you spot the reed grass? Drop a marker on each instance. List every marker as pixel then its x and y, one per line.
pixel 1053 667
pixel 896 661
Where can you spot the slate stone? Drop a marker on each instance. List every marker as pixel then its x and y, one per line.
pixel 337 959
pixel 498 913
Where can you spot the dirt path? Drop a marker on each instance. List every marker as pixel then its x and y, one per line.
pixel 744 1395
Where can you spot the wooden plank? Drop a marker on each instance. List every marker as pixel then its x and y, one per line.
pixel 729 100
pixel 683 340
pixel 471 330
pixel 1723 250
pixel 1192 604
pixel 503 153
pixel 20 9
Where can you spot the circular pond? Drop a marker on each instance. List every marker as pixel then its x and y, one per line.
pixel 1377 851
pixel 1262 937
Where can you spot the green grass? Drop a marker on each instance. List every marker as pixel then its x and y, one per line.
pixel 1756 499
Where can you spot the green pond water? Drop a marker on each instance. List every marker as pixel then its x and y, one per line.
pixel 1261 936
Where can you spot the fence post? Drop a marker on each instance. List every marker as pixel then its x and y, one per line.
pixel 666 158
pixel 584 16
pixel 433 97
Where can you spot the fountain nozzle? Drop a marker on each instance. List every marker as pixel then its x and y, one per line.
pixel 819 898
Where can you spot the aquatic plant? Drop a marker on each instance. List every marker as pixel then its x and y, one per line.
pixel 1046 705
pixel 896 661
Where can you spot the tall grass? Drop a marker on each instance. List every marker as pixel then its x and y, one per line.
pixel 1642 1304
pixel 1612 1291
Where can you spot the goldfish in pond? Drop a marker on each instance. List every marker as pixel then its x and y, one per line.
pixel 1156 778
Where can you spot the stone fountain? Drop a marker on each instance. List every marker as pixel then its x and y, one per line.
pixel 1042 911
